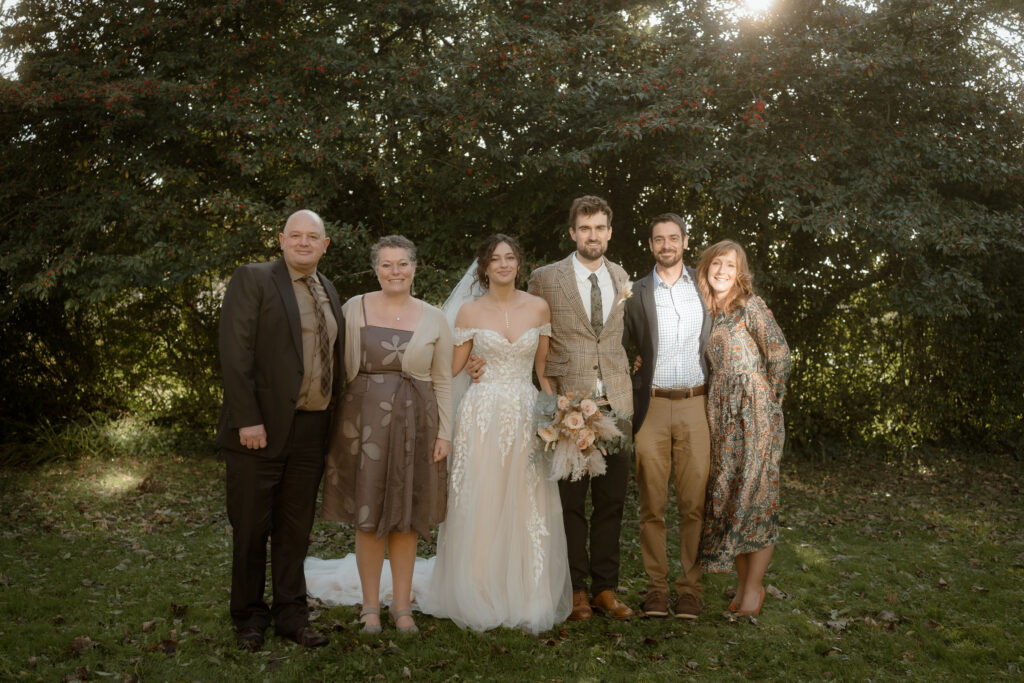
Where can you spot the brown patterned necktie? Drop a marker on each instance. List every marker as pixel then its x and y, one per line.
pixel 323 341
pixel 596 307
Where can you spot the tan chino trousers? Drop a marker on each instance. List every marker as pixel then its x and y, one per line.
pixel 673 441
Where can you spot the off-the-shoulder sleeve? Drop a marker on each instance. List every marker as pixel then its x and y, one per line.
pixel 545 330
pixel 463 335
pixel 769 339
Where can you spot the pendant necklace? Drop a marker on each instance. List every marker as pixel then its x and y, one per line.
pixel 398 316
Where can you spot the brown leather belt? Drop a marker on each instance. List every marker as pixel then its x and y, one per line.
pixel 678 393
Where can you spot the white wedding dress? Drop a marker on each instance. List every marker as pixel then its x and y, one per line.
pixel 501 554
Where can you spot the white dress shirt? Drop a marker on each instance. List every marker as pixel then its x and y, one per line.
pixel 604 281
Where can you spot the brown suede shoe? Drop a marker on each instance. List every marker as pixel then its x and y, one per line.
pixel 687 606
pixel 655 604
pixel 250 638
pixel 306 636
pixel 580 607
pixel 609 604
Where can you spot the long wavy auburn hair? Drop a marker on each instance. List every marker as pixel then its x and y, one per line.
pixel 741 290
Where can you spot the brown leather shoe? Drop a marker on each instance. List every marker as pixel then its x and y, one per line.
pixel 655 604
pixel 580 607
pixel 306 636
pixel 250 638
pixel 609 604
pixel 687 606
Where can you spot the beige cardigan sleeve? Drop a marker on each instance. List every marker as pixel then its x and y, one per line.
pixel 428 356
pixel 353 314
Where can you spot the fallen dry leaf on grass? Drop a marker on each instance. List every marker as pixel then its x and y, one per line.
pixel 81 644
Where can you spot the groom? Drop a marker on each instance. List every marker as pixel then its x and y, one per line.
pixel 586 355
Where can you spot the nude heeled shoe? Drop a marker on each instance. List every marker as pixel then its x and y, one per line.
pixel 751 612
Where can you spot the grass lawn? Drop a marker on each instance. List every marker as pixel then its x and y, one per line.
pixel 116 566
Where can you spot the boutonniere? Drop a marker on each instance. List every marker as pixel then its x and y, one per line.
pixel 625 293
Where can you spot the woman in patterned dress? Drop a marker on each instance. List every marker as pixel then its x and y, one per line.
pixel 749 362
pixel 386 472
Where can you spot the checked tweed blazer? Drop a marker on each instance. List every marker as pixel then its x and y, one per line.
pixel 576 352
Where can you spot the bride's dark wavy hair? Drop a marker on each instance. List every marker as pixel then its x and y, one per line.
pixel 486 250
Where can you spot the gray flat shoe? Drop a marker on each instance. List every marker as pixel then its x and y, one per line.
pixel 395 616
pixel 370 629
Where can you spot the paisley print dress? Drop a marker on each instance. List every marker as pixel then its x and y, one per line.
pixel 749 362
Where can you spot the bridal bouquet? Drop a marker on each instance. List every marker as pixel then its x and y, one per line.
pixel 577 432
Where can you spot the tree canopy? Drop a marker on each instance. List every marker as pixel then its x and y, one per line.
pixel 869 155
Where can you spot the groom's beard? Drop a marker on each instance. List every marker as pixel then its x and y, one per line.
pixel 592 251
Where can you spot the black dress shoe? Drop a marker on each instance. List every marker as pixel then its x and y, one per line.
pixel 306 636
pixel 250 638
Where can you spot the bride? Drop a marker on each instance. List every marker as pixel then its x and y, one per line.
pixel 501 553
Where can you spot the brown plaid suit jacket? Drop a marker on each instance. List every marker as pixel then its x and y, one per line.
pixel 576 352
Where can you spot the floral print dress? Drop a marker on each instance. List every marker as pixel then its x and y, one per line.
pixel 749 362
pixel 380 474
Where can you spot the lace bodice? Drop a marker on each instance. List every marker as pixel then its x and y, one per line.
pixel 506 361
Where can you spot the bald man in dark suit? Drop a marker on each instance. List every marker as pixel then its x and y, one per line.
pixel 281 335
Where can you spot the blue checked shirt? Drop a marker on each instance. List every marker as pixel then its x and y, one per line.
pixel 680 316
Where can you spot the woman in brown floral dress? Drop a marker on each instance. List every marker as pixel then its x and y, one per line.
pixel 386 471
pixel 749 362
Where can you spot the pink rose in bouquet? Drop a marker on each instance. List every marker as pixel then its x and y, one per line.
pixel 585 439
pixel 588 407
pixel 549 433
pixel 573 421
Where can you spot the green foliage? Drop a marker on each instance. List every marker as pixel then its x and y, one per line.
pixel 870 157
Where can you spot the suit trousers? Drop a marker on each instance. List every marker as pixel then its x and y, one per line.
pixel 673 442
pixel 275 498
pixel 608 495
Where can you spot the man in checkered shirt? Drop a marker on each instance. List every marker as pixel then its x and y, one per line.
pixel 667 322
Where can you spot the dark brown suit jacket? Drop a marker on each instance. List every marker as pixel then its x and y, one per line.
pixel 261 353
